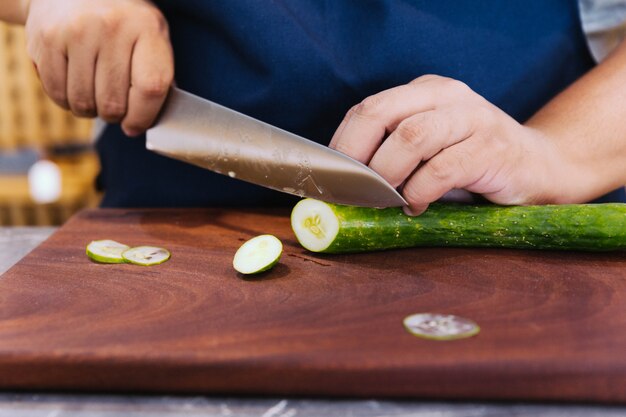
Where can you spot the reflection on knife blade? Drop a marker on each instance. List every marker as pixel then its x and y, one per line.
pixel 214 137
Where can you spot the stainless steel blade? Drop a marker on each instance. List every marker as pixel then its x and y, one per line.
pixel 222 140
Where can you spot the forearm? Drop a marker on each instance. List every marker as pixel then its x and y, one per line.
pixel 587 123
pixel 14 11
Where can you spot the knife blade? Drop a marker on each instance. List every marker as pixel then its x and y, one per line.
pixel 206 134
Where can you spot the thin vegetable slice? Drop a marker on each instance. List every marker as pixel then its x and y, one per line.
pixel 146 255
pixel 440 326
pixel 331 228
pixel 106 251
pixel 258 254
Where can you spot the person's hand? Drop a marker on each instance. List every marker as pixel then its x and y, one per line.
pixel 107 58
pixel 435 135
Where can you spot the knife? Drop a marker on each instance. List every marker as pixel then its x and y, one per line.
pixel 214 137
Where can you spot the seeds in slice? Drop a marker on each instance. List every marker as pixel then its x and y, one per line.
pixel 106 251
pixel 258 254
pixel 146 255
pixel 315 224
pixel 440 326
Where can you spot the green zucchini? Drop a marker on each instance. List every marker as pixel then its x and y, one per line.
pixel 331 228
pixel 106 251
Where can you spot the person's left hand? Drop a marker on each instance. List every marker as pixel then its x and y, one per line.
pixel 435 134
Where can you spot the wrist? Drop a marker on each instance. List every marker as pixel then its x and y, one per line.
pixel 563 175
pixel 542 169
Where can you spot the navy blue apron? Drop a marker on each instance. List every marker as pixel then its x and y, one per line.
pixel 301 64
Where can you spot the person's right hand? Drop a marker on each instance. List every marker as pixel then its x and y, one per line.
pixel 106 58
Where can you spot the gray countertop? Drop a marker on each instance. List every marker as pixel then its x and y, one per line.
pixel 17 242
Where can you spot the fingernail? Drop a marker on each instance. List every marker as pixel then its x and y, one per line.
pixel 131 132
pixel 407 211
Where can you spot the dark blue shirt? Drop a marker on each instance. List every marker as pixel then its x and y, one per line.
pixel 301 64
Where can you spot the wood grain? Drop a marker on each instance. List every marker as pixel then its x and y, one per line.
pixel 553 324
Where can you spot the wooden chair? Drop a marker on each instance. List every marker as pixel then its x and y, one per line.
pixel 29 120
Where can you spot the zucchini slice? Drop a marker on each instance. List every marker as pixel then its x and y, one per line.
pixel 258 254
pixel 440 326
pixel 146 255
pixel 106 251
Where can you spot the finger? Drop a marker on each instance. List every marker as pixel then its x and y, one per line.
pixel 460 196
pixel 82 53
pixel 456 167
pixel 366 124
pixel 419 138
pixel 52 70
pixel 112 79
pixel 344 122
pixel 152 72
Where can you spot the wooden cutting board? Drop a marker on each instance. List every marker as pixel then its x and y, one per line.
pixel 553 324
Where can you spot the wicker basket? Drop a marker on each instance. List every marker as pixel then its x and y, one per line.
pixel 29 119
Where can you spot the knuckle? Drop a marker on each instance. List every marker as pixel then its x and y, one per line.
pixel 440 169
pixel 152 19
pixel 453 84
pixel 369 107
pixel 112 110
pixel 111 22
pixel 352 112
pixel 464 162
pixel 83 107
pixel 426 77
pixel 411 134
pixel 456 87
pixel 344 148
pixel 347 116
pixel 47 36
pixel 154 86
pixel 77 29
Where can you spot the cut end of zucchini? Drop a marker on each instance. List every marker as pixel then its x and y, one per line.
pixel 258 254
pixel 146 255
pixel 315 224
pixel 106 251
pixel 440 326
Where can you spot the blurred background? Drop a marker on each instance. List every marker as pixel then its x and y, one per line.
pixel 47 164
